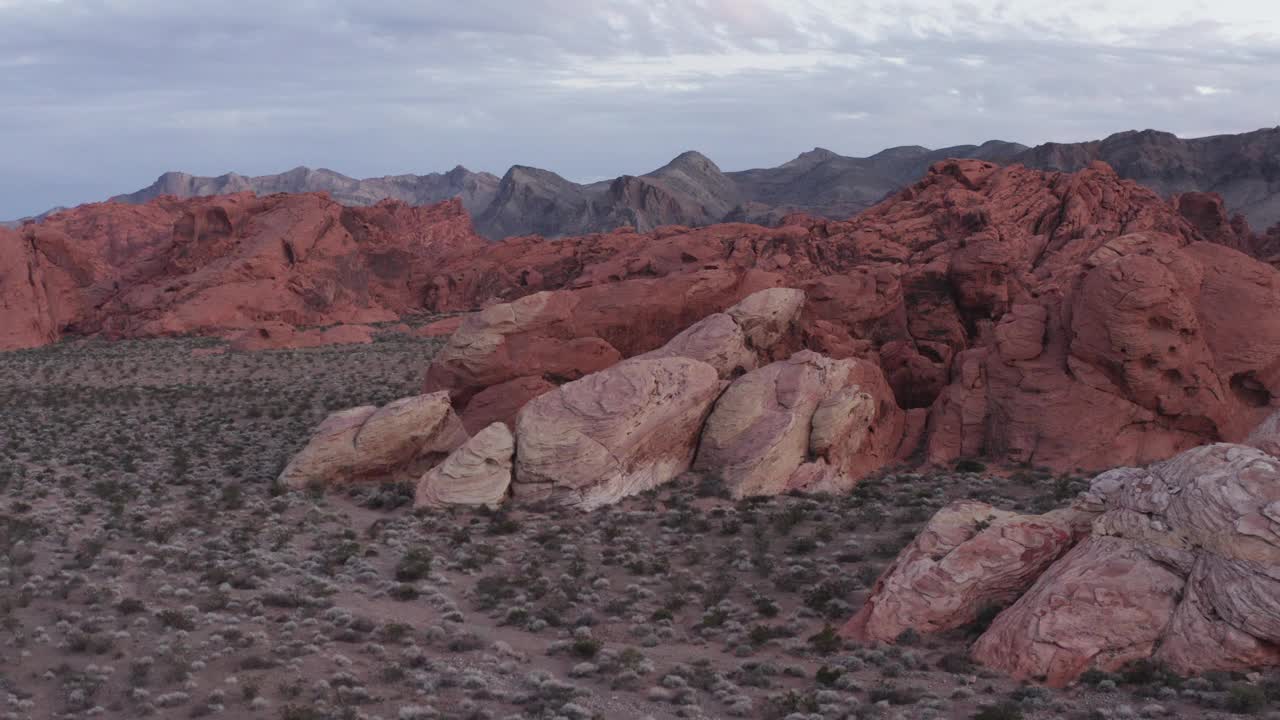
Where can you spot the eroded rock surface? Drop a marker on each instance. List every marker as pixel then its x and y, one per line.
pixel 1069 320
pixel 214 266
pixel 808 422
pixel 512 352
pixel 1180 565
pixel 971 558
pixel 613 433
pixel 397 441
pixel 478 473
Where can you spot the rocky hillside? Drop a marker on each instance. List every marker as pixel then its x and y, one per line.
pixel 213 265
pixel 1244 169
pixel 1001 304
pixel 1005 304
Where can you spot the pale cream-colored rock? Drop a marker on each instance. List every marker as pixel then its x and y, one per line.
pixel 808 422
pixel 765 317
pixel 330 449
pixel 399 440
pixel 477 473
pixel 738 339
pixel 614 433
pixel 715 340
pixel 1266 437
pixel 841 422
pixel 758 433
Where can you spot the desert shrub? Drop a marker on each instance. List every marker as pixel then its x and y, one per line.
pixel 827 675
pixel 586 647
pixel 301 712
pixel 176 619
pixel 1001 711
pixel 414 565
pixel 404 592
pixel 130 606
pixel 1148 672
pixel 825 641
pixel 957 663
pixel 896 695
pixel 1244 698
pixel 790 702
pixel 908 637
pixel 969 465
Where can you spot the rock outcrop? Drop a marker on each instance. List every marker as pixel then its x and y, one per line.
pixel 26 320
pixel 216 266
pixel 971 558
pixel 478 473
pixel 399 441
pixel 506 355
pixel 1178 565
pixel 613 433
pixel 1143 343
pixel 807 423
pixel 1064 320
pixel 1069 320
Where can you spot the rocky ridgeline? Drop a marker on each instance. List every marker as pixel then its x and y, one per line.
pixel 1068 320
pixel 710 399
pixel 1062 320
pixel 253 269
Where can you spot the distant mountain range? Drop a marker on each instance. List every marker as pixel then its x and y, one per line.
pixel 475 189
pixel 692 190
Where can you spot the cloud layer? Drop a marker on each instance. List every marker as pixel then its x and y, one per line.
pixel 100 96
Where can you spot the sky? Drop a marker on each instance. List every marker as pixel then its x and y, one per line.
pixel 98 97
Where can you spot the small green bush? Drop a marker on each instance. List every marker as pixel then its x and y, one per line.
pixel 414 565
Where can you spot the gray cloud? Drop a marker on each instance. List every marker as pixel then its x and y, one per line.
pixel 100 96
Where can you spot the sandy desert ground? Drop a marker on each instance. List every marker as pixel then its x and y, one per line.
pixel 151 567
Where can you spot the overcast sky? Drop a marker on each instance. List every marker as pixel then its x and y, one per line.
pixel 98 97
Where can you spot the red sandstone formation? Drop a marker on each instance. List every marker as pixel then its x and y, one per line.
pixel 1177 563
pixel 213 265
pixel 1061 319
pixel 970 558
pixel 805 423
